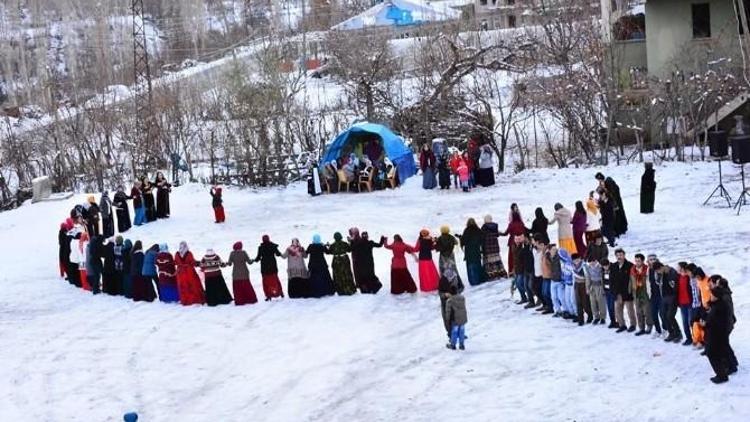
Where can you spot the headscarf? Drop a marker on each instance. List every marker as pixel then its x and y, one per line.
pixel 471 222
pixel 445 230
pixel 237 246
pixel 295 248
pixel 337 236
pixel 210 252
pixel 354 233
pixel 488 218
pixel 91 199
pixel 266 239
pixel 183 249
pixel 127 244
pixel 163 247
pixel 118 240
pixel 365 236
pixel 424 233
pixel 316 239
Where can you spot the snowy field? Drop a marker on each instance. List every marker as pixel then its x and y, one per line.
pixel 69 356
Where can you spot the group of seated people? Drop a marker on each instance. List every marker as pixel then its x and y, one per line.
pixel 346 173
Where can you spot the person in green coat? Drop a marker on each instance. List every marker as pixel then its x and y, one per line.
pixel 472 241
pixel 343 279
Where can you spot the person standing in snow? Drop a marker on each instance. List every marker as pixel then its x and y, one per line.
pixel 363 262
pixel 455 306
pixel 519 279
pixel 217 292
pixel 597 250
pixel 244 294
pixel 147 192
pixel 143 288
pixel 606 207
pixel 648 189
pixel 123 266
pixel 167 275
pixel 444 171
pixel 593 274
pixel 428 274
pixel 719 322
pixel 139 208
pixel 623 290
pixel 455 163
pixel 655 296
pixel 163 188
pixel 620 225
pixel 108 219
pixel 582 300
pixel 593 225
pixel 343 279
pixel 685 301
pixel 609 295
pixel 427 163
pixel 557 286
pixel 579 223
pixel 485 174
pixel 540 225
pixel 121 209
pixel 77 255
pixel 94 265
pixel 320 278
pixel 401 279
pixel 641 290
pixel 445 244
pixel 267 253
pixel 464 175
pixel 448 281
pixel 515 228
pixel 563 219
pixel 667 278
pixel 148 271
pixel 188 283
pixel 298 279
pixel 92 217
pixel 472 242
pixel 569 295
pixel 701 299
pixel 541 248
pixel 217 204
pixel 63 243
pixel 111 275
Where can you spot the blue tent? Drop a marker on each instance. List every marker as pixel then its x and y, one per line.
pixel 395 148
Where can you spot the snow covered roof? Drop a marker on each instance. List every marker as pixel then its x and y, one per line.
pixel 399 13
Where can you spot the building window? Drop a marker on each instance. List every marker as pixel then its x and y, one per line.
pixel 701 20
pixel 511 21
pixel 483 2
pixel 746 8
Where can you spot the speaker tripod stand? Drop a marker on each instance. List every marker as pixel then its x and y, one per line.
pixel 744 196
pixel 720 191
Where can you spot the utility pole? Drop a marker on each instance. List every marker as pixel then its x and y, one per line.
pixel 145 148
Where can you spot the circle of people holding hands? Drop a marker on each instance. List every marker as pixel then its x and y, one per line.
pixel 572 279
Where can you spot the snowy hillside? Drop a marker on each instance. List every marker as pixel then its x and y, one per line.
pixel 67 355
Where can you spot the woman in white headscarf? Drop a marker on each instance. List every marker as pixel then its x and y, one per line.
pixel 188 283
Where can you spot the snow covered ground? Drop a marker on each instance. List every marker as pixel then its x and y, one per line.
pixel 67 355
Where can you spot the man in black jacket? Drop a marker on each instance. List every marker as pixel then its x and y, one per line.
pixel 666 279
pixel 620 278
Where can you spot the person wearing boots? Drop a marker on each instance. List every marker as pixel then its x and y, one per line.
pixel 717 324
pixel 648 189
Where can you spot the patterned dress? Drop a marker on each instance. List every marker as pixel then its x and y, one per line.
pixel 493 261
pixel 343 279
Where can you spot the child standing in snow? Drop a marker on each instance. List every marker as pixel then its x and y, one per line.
pixel 455 306
pixel 216 203
pixel 464 175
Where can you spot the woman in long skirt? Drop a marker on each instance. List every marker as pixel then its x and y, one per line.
pixel 401 279
pixel 120 203
pixel 579 228
pixel 321 282
pixel 217 292
pixel 267 253
pixel 189 284
pixel 163 188
pixel 244 294
pixel 472 243
pixel 299 279
pixel 147 193
pixel 493 261
pixel 445 245
pixel 428 163
pixel 428 275
pixel 167 275
pixel 143 288
pixel 343 279
pixel 363 262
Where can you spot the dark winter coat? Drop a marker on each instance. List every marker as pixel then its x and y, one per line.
pixel 135 194
pixel 425 247
pixel 472 241
pixel 216 201
pixel 108 253
pixel 149 263
pixel 579 222
pixel 63 241
pixel 267 253
pixel 427 160
pixel 445 244
pixel 620 219
pixel 362 256
pixel 527 257
pixel 554 266
pixel 445 285
pixel 620 279
pixel 668 283
pixel 539 226
pixel 456 309
pixel 719 322
pixel 648 191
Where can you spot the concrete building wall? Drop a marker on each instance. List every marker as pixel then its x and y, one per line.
pixel 669 36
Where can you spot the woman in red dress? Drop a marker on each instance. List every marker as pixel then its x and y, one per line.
pixel 401 280
pixel 189 284
pixel 428 275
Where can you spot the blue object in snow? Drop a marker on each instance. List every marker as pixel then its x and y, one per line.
pixel 395 149
pixel 130 417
